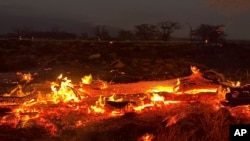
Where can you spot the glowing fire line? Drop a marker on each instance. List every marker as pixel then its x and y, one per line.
pixel 65 97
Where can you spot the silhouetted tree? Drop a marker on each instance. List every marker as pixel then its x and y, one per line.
pixel 125 35
pixel 146 31
pixel 190 32
pixel 166 28
pixel 209 33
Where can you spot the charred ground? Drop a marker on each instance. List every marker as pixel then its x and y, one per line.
pixel 123 62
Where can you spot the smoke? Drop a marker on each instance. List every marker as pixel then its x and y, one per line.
pixel 231 9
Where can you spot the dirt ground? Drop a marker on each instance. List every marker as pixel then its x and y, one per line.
pixel 123 61
pixel 126 62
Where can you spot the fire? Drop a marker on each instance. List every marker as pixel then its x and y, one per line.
pixel 168 89
pixel 201 90
pixel 27 77
pixel 157 98
pixel 63 90
pixel 66 98
pixel 142 106
pixel 235 84
pixel 87 79
pixel 104 85
pixel 17 91
pixel 194 70
pixel 99 106
pixel 112 98
pixel 147 137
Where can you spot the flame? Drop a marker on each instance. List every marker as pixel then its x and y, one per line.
pixel 112 98
pixel 236 84
pixel 116 113
pixel 65 99
pixel 99 106
pixel 143 106
pixel 194 69
pixel 201 90
pixel 157 98
pixel 17 91
pixel 147 137
pixel 63 91
pixel 104 85
pixel 27 77
pixel 87 79
pixel 168 89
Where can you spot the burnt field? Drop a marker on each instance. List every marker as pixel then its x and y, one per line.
pixel 127 70
pixel 137 60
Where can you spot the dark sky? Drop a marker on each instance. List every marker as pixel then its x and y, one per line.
pixel 77 15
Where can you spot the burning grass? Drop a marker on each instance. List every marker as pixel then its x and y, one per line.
pixel 182 108
pixel 69 106
pixel 162 112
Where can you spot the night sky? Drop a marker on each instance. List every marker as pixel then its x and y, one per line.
pixel 79 15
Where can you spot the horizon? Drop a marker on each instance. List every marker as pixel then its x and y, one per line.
pixel 80 16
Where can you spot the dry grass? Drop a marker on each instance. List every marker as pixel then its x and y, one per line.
pixel 200 125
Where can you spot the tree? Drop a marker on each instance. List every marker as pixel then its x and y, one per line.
pixel 146 31
pixel 125 35
pixel 209 33
pixel 166 28
pixel 190 32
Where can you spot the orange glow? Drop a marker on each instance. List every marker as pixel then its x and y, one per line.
pixel 168 89
pixel 63 91
pixel 171 102
pixel 195 70
pixel 143 106
pixel 201 90
pixel 87 79
pixel 104 85
pixel 156 98
pixel 236 84
pixel 117 113
pixel 112 98
pixel 65 98
pixel 147 137
pixel 97 109
pixel 27 77
pixel 99 106
pixel 17 91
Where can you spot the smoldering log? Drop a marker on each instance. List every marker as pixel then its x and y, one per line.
pixel 186 83
pixel 191 97
pixel 135 90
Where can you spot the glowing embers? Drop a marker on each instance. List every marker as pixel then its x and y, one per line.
pixel 201 90
pixel 153 101
pixel 147 137
pixel 89 100
pixel 156 98
pixel 26 77
pixel 112 98
pixel 166 88
pixel 99 105
pixel 117 105
pixel 241 111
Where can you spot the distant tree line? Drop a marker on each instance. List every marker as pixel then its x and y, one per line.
pixel 160 31
pixel 28 32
